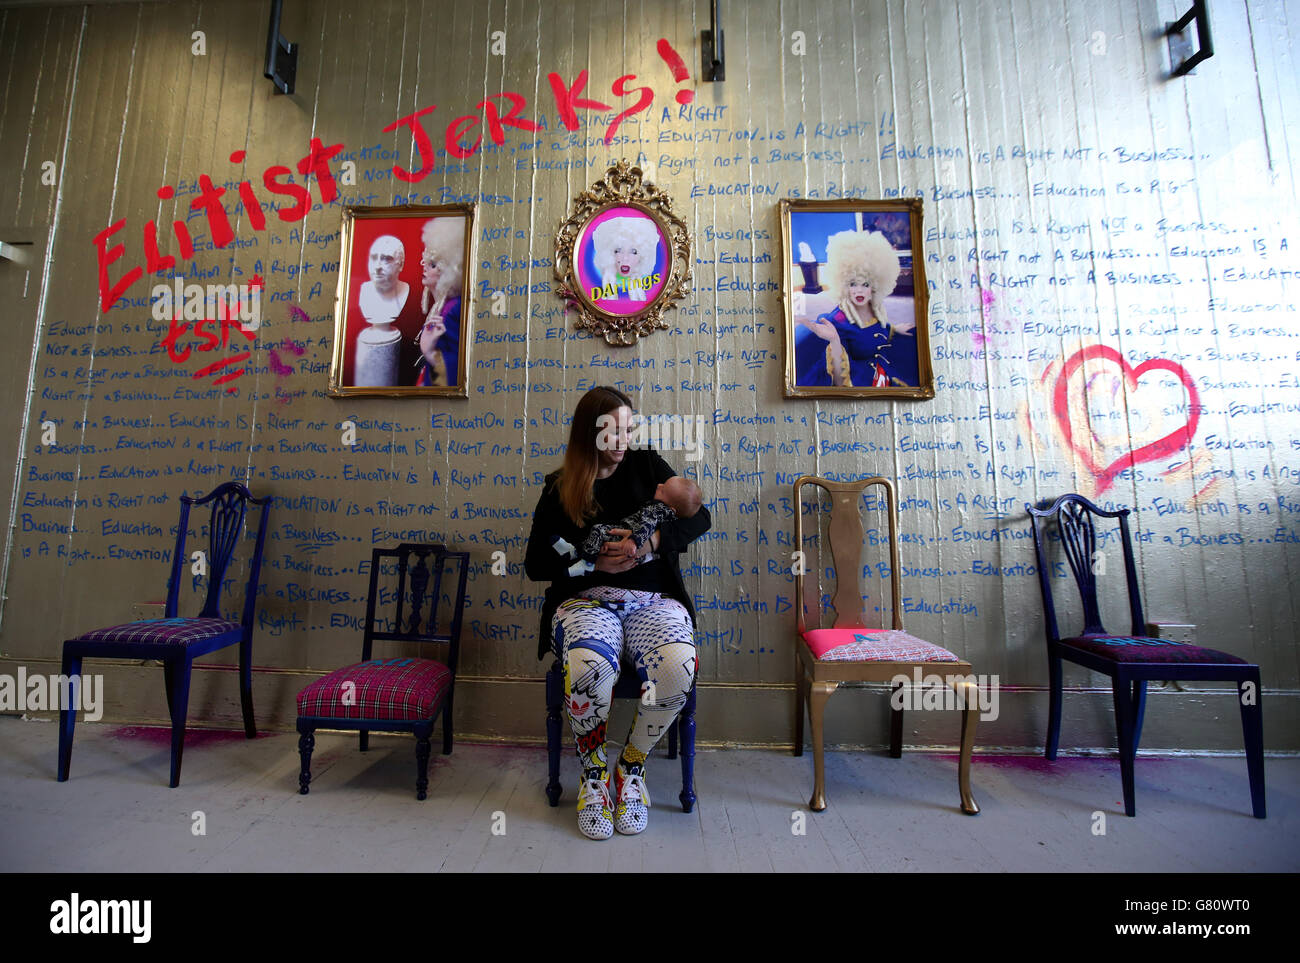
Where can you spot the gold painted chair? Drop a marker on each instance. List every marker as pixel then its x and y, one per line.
pixel 857 648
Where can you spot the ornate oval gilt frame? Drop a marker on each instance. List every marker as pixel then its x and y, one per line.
pixel 623 186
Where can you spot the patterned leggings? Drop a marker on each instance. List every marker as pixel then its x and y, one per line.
pixel 592 632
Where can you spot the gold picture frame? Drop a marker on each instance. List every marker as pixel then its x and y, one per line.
pixel 622 256
pixel 864 341
pixel 402 322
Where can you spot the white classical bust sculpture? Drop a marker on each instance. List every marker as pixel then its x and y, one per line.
pixel 381 300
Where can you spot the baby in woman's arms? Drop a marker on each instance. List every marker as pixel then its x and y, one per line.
pixel 677 497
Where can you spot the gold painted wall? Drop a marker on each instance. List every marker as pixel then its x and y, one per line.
pixel 1073 197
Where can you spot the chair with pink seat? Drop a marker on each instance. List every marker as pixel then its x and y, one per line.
pixel 856 648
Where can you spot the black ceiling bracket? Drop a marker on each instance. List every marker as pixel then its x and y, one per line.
pixel 281 56
pixel 712 56
pixel 1181 56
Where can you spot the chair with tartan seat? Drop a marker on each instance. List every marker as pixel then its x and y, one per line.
pixel 177 641
pixel 1134 659
pixel 403 694
pixel 853 651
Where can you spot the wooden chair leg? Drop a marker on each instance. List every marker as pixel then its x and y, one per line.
pixel 246 686
pixel 306 743
pixel 423 749
pixel 554 696
pixel 969 700
pixel 800 698
pixel 687 724
pixel 67 719
pixel 895 726
pixel 1252 728
pixel 446 722
pixel 178 671
pixel 819 694
pixel 1121 693
pixel 1054 707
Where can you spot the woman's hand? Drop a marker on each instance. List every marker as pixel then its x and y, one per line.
pixel 621 547
pixel 615 563
pixel 434 328
pixel 617 556
pixel 823 329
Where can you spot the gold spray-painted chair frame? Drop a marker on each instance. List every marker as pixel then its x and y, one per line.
pixel 816 681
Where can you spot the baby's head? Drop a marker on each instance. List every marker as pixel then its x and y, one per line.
pixel 681 495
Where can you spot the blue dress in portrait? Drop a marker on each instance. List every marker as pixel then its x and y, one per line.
pixel 448 347
pixel 878 355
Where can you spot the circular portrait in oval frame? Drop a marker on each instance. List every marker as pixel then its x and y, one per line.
pixel 622 256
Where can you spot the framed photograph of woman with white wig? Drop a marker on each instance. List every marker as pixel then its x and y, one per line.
pixel 856 304
pixel 402 313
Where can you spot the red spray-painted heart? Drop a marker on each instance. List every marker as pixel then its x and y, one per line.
pixel 1176 440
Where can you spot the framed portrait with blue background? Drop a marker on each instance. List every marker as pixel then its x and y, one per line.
pixel 855 299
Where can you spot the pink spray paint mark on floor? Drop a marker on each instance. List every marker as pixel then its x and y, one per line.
pixel 162 735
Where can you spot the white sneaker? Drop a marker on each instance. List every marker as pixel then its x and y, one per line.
pixel 595 810
pixel 632 813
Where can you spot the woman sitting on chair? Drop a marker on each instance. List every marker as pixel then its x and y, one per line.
pixel 633 604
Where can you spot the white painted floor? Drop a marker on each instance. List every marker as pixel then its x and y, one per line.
pixel 885 815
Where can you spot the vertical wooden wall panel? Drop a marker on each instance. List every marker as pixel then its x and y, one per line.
pixel 1073 196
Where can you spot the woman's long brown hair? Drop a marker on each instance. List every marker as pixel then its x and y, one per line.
pixel 582 458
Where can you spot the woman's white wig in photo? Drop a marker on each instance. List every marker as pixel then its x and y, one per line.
pixel 862 255
pixel 444 240
pixel 636 232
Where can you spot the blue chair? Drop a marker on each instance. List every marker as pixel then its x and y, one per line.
pixel 628 686
pixel 1130 660
pixel 178 641
pixel 401 694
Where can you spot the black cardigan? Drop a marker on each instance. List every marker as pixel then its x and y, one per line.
pixel 630 486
